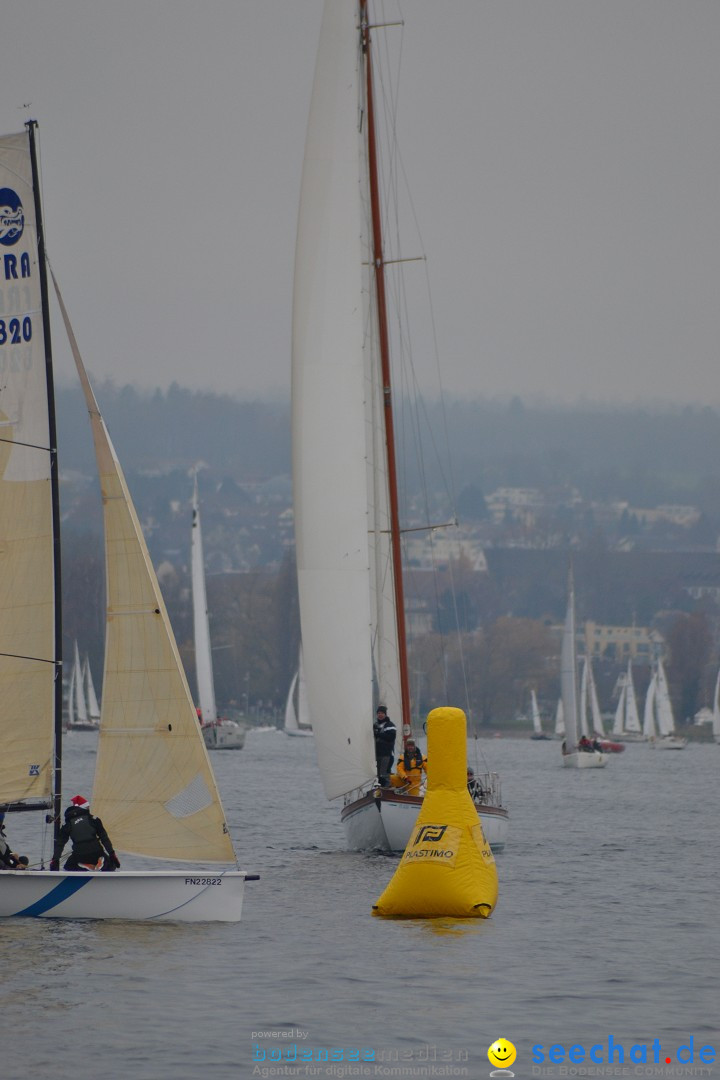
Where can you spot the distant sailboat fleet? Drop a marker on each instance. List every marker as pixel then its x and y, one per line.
pixel 82 708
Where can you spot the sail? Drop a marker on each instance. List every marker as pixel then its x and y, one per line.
pixel 632 720
pixel 81 715
pixel 535 712
pixel 618 727
pixel 291 720
pixel 568 672
pixel 334 447
pixel 584 701
pixel 649 729
pixel 27 577
pixel 201 623
pixel 597 721
pixel 154 786
pixel 665 720
pixel 90 695
pixel 716 710
pixel 559 718
pixel 303 711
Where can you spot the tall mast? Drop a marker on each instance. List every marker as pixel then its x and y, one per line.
pixel 379 265
pixel 54 484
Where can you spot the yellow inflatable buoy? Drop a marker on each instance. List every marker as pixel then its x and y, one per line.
pixel 447 868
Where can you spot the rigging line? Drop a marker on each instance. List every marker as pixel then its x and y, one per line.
pixel 28 445
pixel 37 659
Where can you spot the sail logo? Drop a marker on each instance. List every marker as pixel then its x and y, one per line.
pixel 34 770
pixel 12 217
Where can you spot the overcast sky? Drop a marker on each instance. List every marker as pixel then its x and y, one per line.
pixel 563 155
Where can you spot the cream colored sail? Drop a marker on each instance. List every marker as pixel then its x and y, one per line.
pixel 27 587
pixel 154 787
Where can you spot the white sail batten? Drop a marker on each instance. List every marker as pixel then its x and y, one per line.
pixel 201 623
pixel 330 430
pixel 155 791
pixel 27 584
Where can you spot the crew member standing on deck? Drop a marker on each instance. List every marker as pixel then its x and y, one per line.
pixel 385 734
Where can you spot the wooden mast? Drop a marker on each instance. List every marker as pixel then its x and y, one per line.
pixel 379 265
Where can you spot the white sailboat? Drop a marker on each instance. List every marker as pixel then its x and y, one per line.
pixel 344 470
pixel 716 711
pixel 590 714
pixel 297 713
pixel 538 732
pixel 79 716
pixel 154 787
pixel 219 733
pixel 626 726
pixel 659 723
pixel 93 705
pixel 572 755
pixel 559 719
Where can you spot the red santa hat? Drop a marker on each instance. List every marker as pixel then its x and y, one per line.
pixel 80 802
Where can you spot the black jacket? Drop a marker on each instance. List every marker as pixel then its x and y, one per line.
pixel 385 733
pixel 87 834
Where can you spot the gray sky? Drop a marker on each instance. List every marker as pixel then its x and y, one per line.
pixel 563 158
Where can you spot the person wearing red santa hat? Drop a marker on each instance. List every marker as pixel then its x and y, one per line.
pixel 91 845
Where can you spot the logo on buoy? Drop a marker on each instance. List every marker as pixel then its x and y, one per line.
pixel 502 1053
pixel 430 834
pixel 12 217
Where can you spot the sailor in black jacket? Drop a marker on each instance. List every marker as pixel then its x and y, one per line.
pixel 385 733
pixel 91 845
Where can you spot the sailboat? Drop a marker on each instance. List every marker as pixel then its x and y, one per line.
pixel 559 719
pixel 658 720
pixel 538 732
pixel 347 527
pixel 594 727
pixel 297 713
pixel 218 732
pixel 154 787
pixel 573 756
pixel 626 725
pixel 83 713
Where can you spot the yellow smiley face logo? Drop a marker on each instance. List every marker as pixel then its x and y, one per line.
pixel 502 1053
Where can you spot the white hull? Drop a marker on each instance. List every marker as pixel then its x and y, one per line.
pixel 668 742
pixel 585 759
pixel 135 895
pixel 224 735
pixel 302 734
pixel 386 823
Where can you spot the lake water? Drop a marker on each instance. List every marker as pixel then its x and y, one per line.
pixel 607 925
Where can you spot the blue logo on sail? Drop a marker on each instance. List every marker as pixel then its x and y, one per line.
pixel 12 218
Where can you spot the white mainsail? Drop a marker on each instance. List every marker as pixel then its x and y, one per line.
pixel 632 720
pixel 535 713
pixel 665 719
pixel 619 721
pixel 93 707
pixel 297 713
pixel 649 729
pixel 716 710
pixel 596 715
pixel 340 502
pixel 28 645
pixel 154 786
pixel 559 718
pixel 568 672
pixel 201 623
pixel 79 706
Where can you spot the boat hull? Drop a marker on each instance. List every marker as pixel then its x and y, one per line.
pixel 134 895
pixel 302 734
pixel 609 747
pixel 383 820
pixel 541 738
pixel 224 735
pixel 669 742
pixel 584 759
